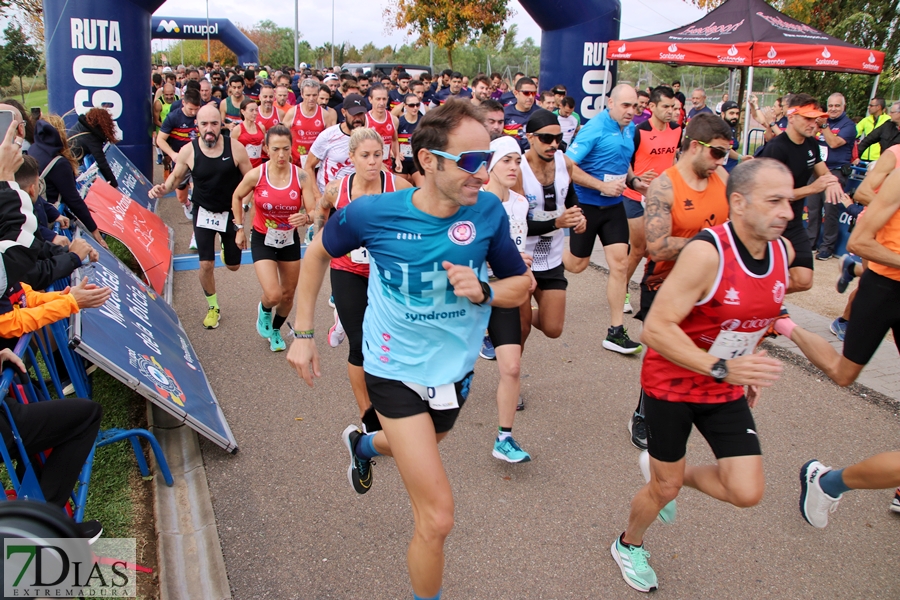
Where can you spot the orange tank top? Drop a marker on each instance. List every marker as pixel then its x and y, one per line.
pixel 692 211
pixel 889 235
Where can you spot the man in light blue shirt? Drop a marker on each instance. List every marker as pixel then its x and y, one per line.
pixel 602 154
pixel 429 302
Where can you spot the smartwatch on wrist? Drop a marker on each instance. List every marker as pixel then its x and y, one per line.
pixel 488 293
pixel 719 371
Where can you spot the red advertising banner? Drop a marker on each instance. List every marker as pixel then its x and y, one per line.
pixel 144 233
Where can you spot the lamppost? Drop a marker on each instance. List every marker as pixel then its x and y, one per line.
pixel 208 53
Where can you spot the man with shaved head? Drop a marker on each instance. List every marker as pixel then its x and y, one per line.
pixel 217 164
pixel 602 155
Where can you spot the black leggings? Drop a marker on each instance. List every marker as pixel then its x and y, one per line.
pixel 350 300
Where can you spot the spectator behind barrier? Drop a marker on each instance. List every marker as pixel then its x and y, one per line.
pixel 92 131
pixel 50 143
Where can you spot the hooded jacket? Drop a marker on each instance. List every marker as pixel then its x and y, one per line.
pixel 60 180
pixel 86 139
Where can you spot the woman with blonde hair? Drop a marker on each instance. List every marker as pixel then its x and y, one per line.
pixel 350 273
pixel 92 131
pixel 59 169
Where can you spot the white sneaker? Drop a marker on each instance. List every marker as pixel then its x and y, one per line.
pixel 188 210
pixel 815 504
pixel 193 244
pixel 336 334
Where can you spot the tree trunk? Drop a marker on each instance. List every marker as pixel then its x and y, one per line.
pixel 22 91
pixel 742 88
pixel 450 56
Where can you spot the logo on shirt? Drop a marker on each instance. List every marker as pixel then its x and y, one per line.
pixel 778 292
pixel 731 324
pixel 264 193
pixel 731 297
pixel 267 205
pixel 688 205
pixel 462 233
pixel 293 194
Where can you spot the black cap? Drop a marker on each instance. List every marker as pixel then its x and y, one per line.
pixel 354 104
pixel 726 106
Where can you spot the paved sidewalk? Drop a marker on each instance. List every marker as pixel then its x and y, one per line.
pixel 881 375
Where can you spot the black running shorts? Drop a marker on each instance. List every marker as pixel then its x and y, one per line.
pixel 259 250
pixel 552 279
pixel 505 327
pixel 206 241
pixel 875 310
pixel 350 291
pixel 609 223
pixel 728 428
pixel 392 399
pixel 796 233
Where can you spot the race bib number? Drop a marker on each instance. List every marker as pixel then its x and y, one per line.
pixel 518 229
pixel 303 158
pixel 611 178
pixel 734 344
pixel 254 151
pixel 360 256
pixel 442 397
pixel 386 149
pixel 279 238
pixel 406 150
pixel 210 220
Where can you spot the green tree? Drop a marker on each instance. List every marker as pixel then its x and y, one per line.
pixel 19 58
pixel 448 23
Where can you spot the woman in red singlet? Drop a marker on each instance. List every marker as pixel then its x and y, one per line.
pixel 249 133
pixel 350 273
pixel 283 199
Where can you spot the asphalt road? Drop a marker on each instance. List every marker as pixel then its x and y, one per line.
pixel 292 527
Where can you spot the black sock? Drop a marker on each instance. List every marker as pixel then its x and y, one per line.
pixel 265 309
pixel 622 541
pixel 278 321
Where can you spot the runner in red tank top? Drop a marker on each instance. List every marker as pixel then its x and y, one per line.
pixel 350 273
pixel 267 107
pixel 386 125
pixel 283 200
pixel 306 121
pixel 719 300
pixel 250 133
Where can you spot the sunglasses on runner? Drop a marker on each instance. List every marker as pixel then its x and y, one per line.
pixel 416 105
pixel 527 92
pixel 549 138
pixel 470 162
pixel 717 152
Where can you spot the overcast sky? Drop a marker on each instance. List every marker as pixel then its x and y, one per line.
pixel 361 21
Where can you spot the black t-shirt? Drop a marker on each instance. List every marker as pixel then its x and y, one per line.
pixel 800 159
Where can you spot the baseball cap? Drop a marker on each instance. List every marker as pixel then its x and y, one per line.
pixel 331 77
pixel 809 111
pixel 726 106
pixel 354 104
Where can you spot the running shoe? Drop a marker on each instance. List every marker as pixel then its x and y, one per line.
pixel 89 530
pixel 159 159
pixel 638 430
pixel 628 310
pixel 520 405
pixel 617 340
pixel 895 505
pixel 331 301
pixel 510 451
pixel 336 334
pixel 636 571
pixel 815 504
pixel 212 318
pixel 263 322
pixel 188 210
pixel 360 470
pixel 824 254
pixel 839 328
pixel 487 351
pixel 669 511
pixel 276 342
pixel 848 273
pixel 193 244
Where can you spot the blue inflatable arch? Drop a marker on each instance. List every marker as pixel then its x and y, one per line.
pixel 176 28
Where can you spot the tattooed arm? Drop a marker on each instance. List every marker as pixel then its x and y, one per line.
pixel 658 221
pixel 324 206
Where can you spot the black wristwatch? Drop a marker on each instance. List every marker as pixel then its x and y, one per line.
pixel 719 371
pixel 488 293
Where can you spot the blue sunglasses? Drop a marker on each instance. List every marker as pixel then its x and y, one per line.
pixel 470 162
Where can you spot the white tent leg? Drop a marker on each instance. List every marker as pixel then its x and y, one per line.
pixel 745 148
pixel 875 86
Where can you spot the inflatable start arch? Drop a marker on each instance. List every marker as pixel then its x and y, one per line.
pixel 176 28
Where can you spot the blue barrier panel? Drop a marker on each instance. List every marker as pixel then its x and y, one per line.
pixel 132 182
pixel 137 338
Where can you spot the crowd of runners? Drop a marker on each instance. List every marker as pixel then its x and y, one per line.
pixel 451 213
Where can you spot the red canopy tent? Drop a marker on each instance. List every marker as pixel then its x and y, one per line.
pixel 749 33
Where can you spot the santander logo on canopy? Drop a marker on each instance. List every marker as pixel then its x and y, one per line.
pixel 732 56
pixel 672 54
pixel 826 59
